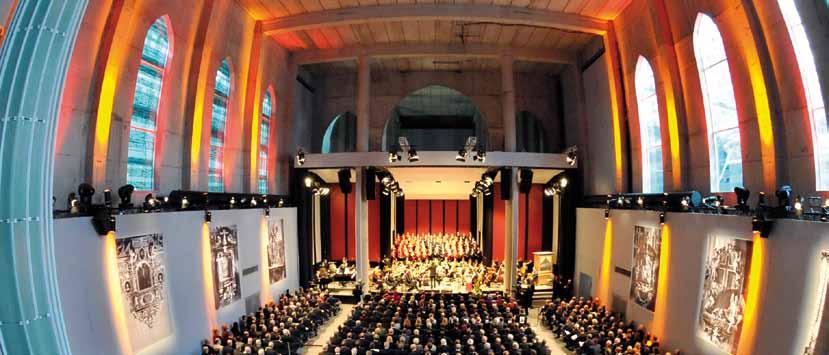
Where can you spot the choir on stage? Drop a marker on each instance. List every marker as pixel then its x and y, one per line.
pixel 453 246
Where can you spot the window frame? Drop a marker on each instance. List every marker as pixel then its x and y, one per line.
pixel 160 71
pixel 215 174
pixel 704 68
pixel 647 123
pixel 264 133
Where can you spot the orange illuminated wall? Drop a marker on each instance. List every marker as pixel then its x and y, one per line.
pixel 603 291
pixel 751 312
pixel 660 312
pixel 119 322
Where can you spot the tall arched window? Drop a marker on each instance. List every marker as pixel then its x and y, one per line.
pixel 721 117
pixel 221 98
pixel 650 134
pixel 811 84
pixel 264 136
pixel 143 123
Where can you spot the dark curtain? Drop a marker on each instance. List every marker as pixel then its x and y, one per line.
pixel 400 209
pixel 325 226
pixel 547 223
pixel 489 202
pixel 305 225
pixel 385 225
pixel 570 198
pixel 473 216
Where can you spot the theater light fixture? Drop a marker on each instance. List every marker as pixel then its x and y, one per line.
pixel 267 212
pixel 761 225
pixel 468 148
pixel 413 156
pixel 103 221
pixel 461 157
pixel 108 198
pixel 208 216
pixel 480 155
pixel 404 148
pixel 232 202
pixel 125 193
pixel 281 203
pixel 571 155
pixel 309 181
pixel 300 156
pixel 606 213
pixel 184 203
pixel 85 191
pixel 742 198
pixel 798 206
pixel 661 218
pixel 640 201
pixel 72 203
pixel 393 157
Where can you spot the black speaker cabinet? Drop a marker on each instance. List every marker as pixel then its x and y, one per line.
pixel 506 183
pixel 371 178
pixel 526 180
pixel 344 176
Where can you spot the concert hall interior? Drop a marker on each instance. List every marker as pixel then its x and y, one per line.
pixel 427 177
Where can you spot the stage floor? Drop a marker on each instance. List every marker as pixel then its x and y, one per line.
pixel 316 345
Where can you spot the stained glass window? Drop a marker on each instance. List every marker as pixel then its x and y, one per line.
pixel 221 97
pixel 650 134
pixel 811 84
pixel 141 146
pixel 264 135
pixel 726 162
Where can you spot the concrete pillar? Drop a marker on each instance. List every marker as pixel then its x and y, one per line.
pixel 363 103
pixel 508 103
pixel 33 64
pixel 317 230
pixel 510 229
pixel 479 219
pixel 286 128
pixel 556 222
pixel 361 228
pixel 393 221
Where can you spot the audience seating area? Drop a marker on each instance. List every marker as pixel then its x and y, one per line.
pixel 278 328
pixel 588 328
pixel 436 323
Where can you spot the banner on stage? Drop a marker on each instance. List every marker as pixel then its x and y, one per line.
pixel 225 254
pixel 142 274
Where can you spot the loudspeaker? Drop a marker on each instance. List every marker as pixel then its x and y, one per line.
pixel 371 178
pixel 526 180
pixel 344 176
pixel 506 183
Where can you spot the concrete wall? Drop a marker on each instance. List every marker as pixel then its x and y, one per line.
pixel 89 313
pixel 535 92
pixel 766 81
pixel 93 148
pixel 789 282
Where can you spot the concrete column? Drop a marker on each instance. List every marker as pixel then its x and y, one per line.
pixel 510 230
pixel 508 103
pixel 363 103
pixel 479 219
pixel 556 221
pixel 361 227
pixel 33 63
pixel 286 128
pixel 317 230
pixel 393 221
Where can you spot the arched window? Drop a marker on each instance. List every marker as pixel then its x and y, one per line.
pixel 650 134
pixel 811 84
pixel 264 136
pixel 721 117
pixel 143 123
pixel 221 98
pixel 341 134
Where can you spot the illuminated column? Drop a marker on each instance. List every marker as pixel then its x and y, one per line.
pixel 361 227
pixel 317 230
pixel 508 103
pixel 363 103
pixel 479 219
pixel 556 221
pixel 510 229
pixel 38 46
pixel 393 220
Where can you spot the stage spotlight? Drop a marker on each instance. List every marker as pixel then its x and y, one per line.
pixel 461 157
pixel 606 213
pixel 761 200
pixel 393 156
pixel 85 191
pixel 208 216
pixel 253 202
pixel 571 156
pixel 413 156
pixel 149 203
pixel 125 193
pixel 103 221
pixel 784 195
pixel 386 192
pixel 640 201
pixel 798 206
pixel 300 157
pixel 232 202
pixel 826 203
pixel 661 218
pixel 309 181
pixel 548 191
pixel 72 203
pixel 267 212
pixel 480 155
pixel 281 203
pixel 487 180
pixel 563 182
pixel 742 197
pixel 684 203
pixel 761 225
pixel 108 198
pixel 324 191
pixel 184 203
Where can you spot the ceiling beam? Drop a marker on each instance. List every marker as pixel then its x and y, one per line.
pixel 404 50
pixel 508 15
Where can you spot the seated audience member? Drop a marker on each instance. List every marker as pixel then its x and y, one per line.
pixel 588 328
pixel 276 328
pixel 435 323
